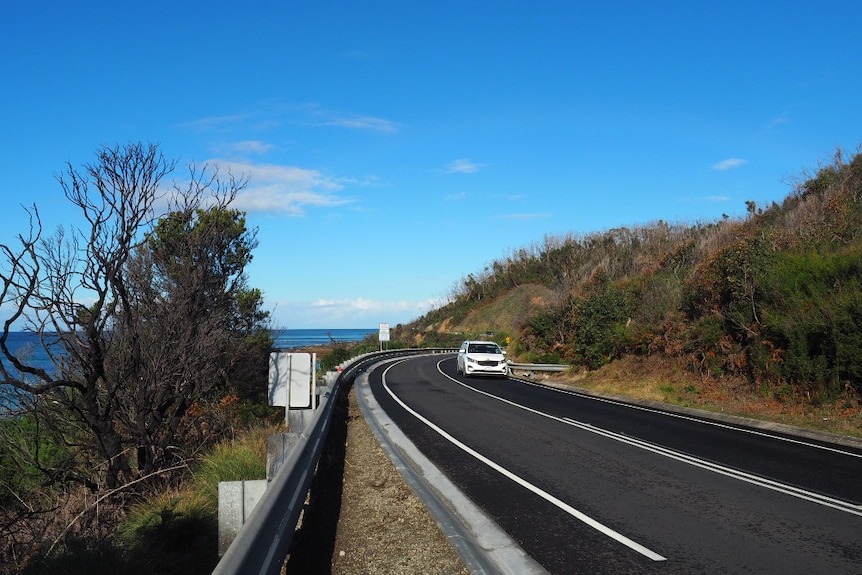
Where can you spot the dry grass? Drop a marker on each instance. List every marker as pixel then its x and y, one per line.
pixel 507 311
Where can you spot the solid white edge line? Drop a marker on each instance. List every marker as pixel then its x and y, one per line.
pixel 526 484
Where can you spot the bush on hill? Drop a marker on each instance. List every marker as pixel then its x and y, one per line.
pixel 774 298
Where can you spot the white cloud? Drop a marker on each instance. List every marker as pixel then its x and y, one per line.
pixel 282 189
pixel 463 166
pixel 273 114
pixel 457 197
pixel 365 305
pixel 364 123
pixel 215 121
pixel 247 147
pixel 729 164
pixel 316 115
pixel 709 198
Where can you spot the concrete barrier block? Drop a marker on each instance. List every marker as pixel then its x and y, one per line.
pixel 278 447
pixel 236 500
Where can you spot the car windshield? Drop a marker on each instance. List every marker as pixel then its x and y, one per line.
pixel 483 348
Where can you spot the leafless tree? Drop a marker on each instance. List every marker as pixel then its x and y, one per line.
pixel 136 332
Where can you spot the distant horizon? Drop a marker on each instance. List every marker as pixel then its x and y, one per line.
pixel 274 330
pixel 375 328
pixel 326 329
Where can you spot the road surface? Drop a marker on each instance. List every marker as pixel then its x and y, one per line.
pixel 590 485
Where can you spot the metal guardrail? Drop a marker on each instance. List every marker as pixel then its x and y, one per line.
pixel 539 366
pixel 263 542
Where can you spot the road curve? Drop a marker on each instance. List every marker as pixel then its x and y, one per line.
pixel 587 485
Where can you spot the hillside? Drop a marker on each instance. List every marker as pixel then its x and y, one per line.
pixel 498 315
pixel 767 306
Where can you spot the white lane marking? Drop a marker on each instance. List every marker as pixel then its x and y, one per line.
pixel 721 469
pixel 686 418
pixel 680 456
pixel 526 484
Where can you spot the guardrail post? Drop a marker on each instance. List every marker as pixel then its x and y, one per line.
pixel 298 419
pixel 278 448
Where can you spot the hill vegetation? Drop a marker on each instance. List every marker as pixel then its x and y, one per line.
pixel 772 301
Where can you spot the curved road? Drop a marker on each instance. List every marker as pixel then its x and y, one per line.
pixel 590 485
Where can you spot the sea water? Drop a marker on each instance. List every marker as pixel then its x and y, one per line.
pixel 294 338
pixel 26 345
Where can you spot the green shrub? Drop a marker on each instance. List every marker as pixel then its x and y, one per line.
pixel 813 313
pixel 235 460
pixel 337 356
pixel 544 357
pixel 599 322
pixel 79 556
pixel 30 456
pixel 176 531
pixel 708 332
pixel 546 325
pixel 171 533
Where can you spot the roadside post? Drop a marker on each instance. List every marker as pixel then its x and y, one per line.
pixel 293 384
pixel 383 334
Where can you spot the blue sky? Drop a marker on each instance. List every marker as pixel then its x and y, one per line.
pixel 395 147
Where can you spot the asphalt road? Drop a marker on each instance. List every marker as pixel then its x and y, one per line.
pixel 589 485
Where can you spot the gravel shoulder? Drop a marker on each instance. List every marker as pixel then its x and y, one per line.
pixel 361 517
pixel 383 526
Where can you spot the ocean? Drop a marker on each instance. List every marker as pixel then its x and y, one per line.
pixel 293 338
pixel 26 347
pixel 27 344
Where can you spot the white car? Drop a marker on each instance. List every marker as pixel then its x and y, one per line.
pixel 482 358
